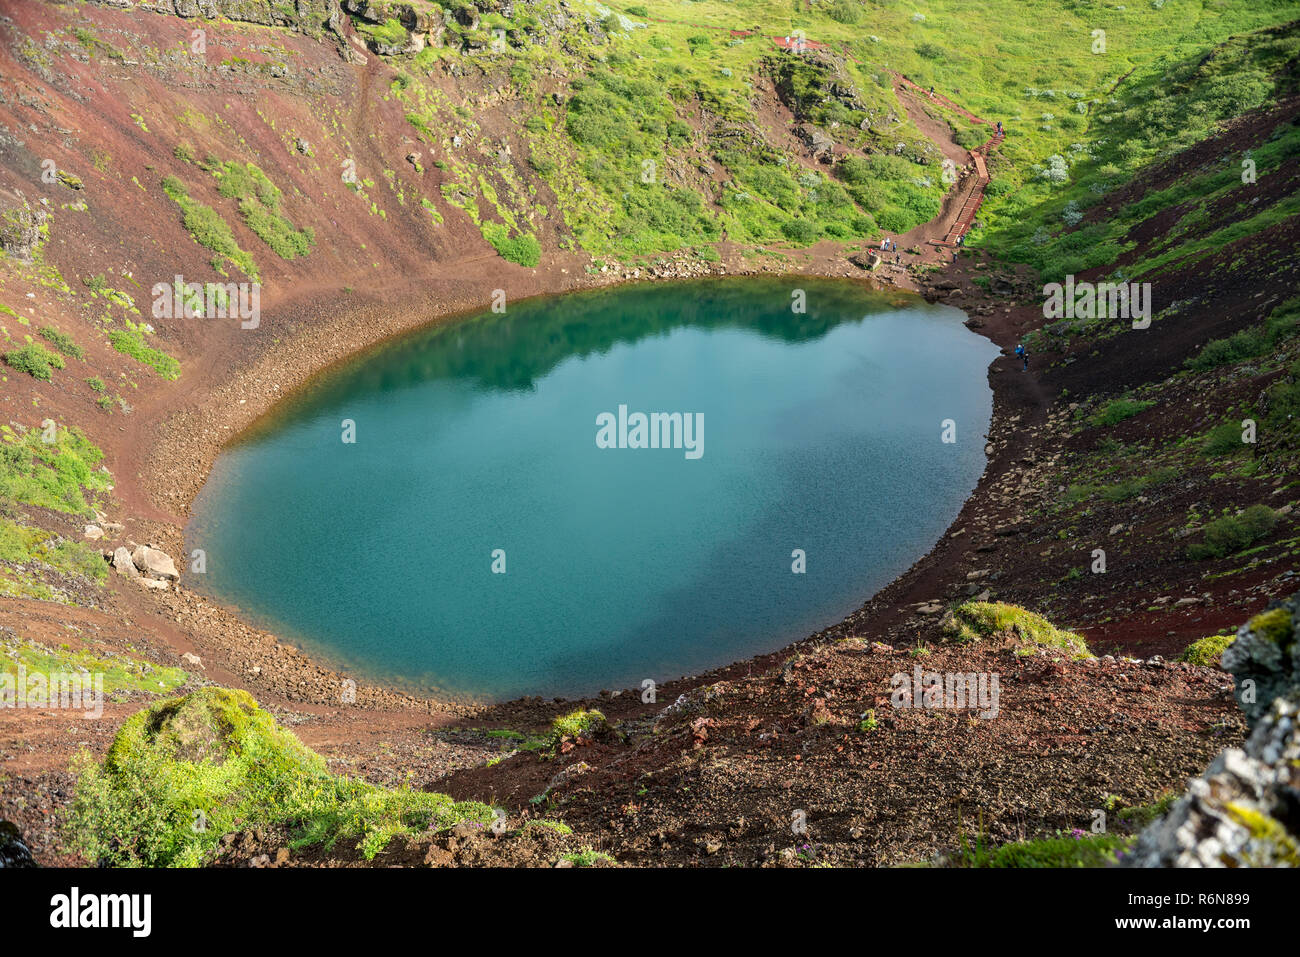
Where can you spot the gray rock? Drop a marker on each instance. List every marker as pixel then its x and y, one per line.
pixel 123 563
pixel 1234 814
pixel 20 227
pixel 1244 811
pixel 13 850
pixel 1265 658
pixel 154 562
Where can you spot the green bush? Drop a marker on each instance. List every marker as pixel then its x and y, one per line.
pixel 1232 533
pixel 208 227
pixel 844 11
pixel 974 621
pixel 1223 439
pixel 55 475
pixel 800 231
pixel 523 249
pixel 34 359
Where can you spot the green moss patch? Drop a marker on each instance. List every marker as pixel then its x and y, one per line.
pixel 977 620
pixel 1207 651
pixel 185 771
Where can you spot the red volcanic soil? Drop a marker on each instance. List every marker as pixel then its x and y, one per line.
pixel 716 778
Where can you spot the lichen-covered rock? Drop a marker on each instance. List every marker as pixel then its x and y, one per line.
pixel 1265 658
pixel 1237 813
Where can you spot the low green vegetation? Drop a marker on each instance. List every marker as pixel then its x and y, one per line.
pixel 185 771
pixel 587 858
pixel 975 621
pixel 34 359
pixel 1118 410
pixel 1252 343
pixel 1274 625
pixel 209 229
pixel 259 203
pixel 1230 534
pixel 579 723
pixel 63 342
pixel 1207 651
pixel 1076 848
pixel 1070 850
pixel 131 342
pixel 524 250
pixel 122 674
pixel 63 474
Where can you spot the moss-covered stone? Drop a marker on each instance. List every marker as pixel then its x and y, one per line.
pixel 1207 651
pixel 184 772
pixel 1275 626
pixel 980 620
pixel 1265 658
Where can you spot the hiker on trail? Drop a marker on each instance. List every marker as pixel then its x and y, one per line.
pixel 999 127
pixel 932 93
pixel 1023 355
pixel 884 244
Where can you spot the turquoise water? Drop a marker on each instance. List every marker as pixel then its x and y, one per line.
pixel 821 432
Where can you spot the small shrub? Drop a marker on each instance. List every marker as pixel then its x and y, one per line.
pixel 577 724
pixel 63 342
pixel 34 359
pixel 1223 439
pixel 216 751
pixel 1232 533
pixel 976 620
pixel 800 231
pixel 523 249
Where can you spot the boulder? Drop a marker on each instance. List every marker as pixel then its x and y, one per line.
pixel 20 227
pixel 1265 658
pixel 123 563
pixel 1244 811
pixel 13 850
pixel 94 532
pixel 1241 811
pixel 154 562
